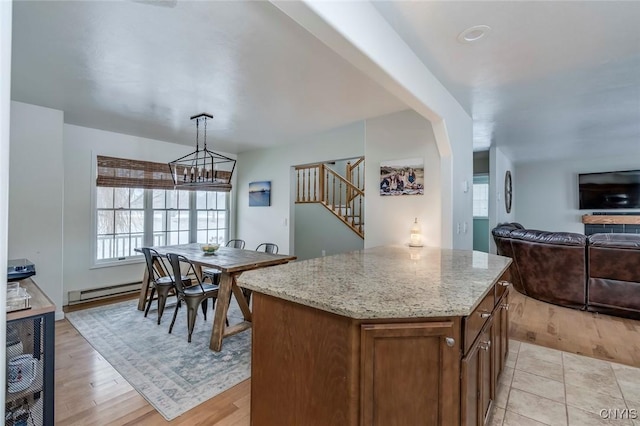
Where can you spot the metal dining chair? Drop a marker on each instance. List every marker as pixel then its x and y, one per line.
pixel 197 294
pixel 239 244
pixel 268 248
pixel 214 274
pixel 160 280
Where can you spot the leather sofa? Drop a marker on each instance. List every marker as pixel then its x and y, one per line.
pixel 599 273
pixel 614 274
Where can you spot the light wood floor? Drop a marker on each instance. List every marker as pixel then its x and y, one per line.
pixel 90 392
pixel 584 333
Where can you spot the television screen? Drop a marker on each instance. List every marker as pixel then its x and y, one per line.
pixel 611 190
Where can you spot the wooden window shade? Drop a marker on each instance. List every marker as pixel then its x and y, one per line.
pixel 124 173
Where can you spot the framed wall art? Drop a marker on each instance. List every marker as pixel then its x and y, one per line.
pixel 260 194
pixel 402 177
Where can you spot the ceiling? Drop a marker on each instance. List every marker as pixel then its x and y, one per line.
pixel 143 68
pixel 551 80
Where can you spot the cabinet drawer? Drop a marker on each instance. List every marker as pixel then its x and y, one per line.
pixel 474 322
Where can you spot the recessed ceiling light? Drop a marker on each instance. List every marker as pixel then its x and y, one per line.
pixel 474 33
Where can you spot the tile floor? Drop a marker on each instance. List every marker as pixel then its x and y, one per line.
pixel 542 386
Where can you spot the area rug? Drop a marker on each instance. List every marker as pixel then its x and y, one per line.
pixel 173 375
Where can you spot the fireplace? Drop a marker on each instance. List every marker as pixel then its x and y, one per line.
pixel 606 222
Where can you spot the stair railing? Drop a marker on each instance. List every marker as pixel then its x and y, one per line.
pixel 317 183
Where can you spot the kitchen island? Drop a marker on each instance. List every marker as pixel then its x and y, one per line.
pixel 384 336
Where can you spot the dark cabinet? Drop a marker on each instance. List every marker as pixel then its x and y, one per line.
pixel 30 361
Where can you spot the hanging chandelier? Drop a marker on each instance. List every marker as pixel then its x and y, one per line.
pixel 202 169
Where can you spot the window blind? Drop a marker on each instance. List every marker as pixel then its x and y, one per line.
pixel 125 173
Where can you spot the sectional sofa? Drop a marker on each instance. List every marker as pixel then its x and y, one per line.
pixel 599 273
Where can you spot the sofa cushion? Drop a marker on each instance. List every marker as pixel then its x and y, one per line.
pixel 622 241
pixel 544 237
pixel 614 297
pixel 615 257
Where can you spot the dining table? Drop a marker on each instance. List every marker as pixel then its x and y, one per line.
pixel 231 262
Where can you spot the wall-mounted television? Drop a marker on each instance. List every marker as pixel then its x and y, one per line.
pixel 610 190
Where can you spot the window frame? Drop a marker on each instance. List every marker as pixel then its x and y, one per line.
pixel 148 223
pixel 114 234
pixel 480 179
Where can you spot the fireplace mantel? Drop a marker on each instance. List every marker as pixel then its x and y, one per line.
pixel 622 219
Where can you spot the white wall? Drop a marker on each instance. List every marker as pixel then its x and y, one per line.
pixel 388 220
pixel 36 194
pixel 52 170
pixel 317 229
pixel 357 32
pixel 81 145
pixel 273 224
pixel 5 108
pixel 499 163
pixel 547 192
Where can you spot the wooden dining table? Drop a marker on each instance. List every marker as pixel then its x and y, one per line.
pixel 231 262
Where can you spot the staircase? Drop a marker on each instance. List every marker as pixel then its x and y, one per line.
pixel 341 195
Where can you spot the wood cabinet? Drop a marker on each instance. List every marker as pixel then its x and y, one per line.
pixel 478 389
pixel 313 367
pixel 483 363
pixel 405 362
pixel 501 334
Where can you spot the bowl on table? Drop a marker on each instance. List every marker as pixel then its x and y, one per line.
pixel 210 248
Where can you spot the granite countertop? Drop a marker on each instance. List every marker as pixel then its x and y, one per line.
pixel 384 282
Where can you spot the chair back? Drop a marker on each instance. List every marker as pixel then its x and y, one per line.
pixel 150 255
pixel 175 260
pixel 239 244
pixel 268 248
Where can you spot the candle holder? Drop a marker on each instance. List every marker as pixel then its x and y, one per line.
pixel 416 234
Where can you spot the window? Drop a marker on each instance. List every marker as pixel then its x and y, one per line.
pixel 127 218
pixel 137 206
pixel 211 211
pixel 120 222
pixel 481 195
pixel 171 212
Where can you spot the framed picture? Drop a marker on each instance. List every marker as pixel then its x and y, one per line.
pixel 402 177
pixel 260 194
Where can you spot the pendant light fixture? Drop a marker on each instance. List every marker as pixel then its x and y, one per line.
pixel 202 169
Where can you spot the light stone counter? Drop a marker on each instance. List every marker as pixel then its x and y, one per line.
pixel 384 282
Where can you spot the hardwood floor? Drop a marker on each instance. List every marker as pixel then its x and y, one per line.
pixel 89 391
pixel 584 333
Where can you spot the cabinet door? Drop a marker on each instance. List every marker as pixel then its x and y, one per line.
pixel 500 333
pixel 410 374
pixel 471 368
pixel 487 380
pixel 478 386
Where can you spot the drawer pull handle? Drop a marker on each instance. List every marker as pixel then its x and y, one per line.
pixel 504 283
pixel 485 345
pixel 505 306
pixel 485 314
pixel 450 341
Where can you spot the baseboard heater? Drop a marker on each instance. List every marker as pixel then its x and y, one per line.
pixel 81 296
